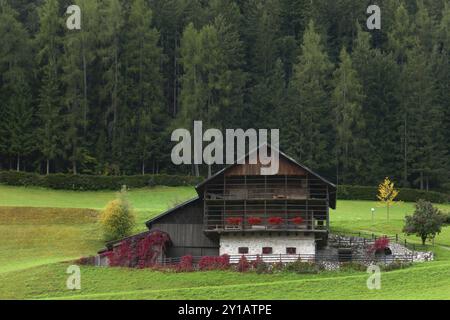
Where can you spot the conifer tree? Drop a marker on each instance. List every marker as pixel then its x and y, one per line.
pixel 309 109
pixel 347 99
pixel 16 111
pixel 144 93
pixel 379 76
pixel 111 86
pixel 49 60
pixel 77 61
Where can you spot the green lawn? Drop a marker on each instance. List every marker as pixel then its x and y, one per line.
pixel 426 281
pixel 40 228
pixel 356 216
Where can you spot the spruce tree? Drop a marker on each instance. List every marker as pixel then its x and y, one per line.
pixel 109 54
pixel 16 111
pixel 77 68
pixel 379 76
pixel 424 156
pixel 144 91
pixel 49 60
pixel 347 99
pixel 309 107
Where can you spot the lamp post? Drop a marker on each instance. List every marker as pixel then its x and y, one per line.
pixel 373 211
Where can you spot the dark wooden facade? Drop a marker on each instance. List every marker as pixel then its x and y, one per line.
pixel 184 224
pixel 238 191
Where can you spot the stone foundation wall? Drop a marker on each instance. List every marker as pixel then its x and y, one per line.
pixel 229 244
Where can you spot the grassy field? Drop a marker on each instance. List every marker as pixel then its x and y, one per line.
pixel 41 228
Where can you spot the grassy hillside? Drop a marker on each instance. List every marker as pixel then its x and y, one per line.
pixel 426 281
pixel 39 228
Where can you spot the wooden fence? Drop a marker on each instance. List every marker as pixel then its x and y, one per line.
pixel 317 258
pixel 370 238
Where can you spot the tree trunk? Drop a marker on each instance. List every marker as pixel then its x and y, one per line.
pixel 405 154
pixel 18 163
pixel 197 171
pixel 84 91
pixel 175 78
pixel 48 166
pixel 424 238
pixel 143 167
pixel 74 167
pixel 421 180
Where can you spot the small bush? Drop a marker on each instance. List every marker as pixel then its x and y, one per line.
pixel 447 218
pixel 302 267
pixel 118 218
pixel 243 264
pixel 260 266
pixel 352 266
pixel 397 264
pixel 379 245
pixel 186 264
pixel 214 263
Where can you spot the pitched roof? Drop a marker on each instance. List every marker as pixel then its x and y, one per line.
pixel 200 185
pixel 165 213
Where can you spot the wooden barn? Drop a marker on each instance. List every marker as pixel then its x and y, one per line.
pixel 239 211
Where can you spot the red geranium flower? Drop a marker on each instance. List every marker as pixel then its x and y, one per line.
pixel 275 220
pixel 234 221
pixel 254 220
pixel 297 220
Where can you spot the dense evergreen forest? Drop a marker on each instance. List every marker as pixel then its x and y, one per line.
pixel 354 104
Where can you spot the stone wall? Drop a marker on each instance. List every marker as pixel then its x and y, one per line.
pixel 229 244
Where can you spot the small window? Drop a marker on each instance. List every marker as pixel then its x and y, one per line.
pixel 291 250
pixel 267 250
pixel 243 250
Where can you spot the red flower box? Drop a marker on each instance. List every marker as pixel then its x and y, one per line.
pixel 254 220
pixel 235 221
pixel 275 220
pixel 297 220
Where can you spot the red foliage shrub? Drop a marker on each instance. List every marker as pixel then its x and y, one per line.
pixel 139 251
pixel 381 244
pixel 235 221
pixel 254 264
pixel 243 264
pixel 297 220
pixel 254 220
pixel 186 264
pixel 121 255
pixel 214 263
pixel 275 220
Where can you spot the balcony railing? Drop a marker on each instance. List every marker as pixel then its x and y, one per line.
pixel 258 187
pixel 236 224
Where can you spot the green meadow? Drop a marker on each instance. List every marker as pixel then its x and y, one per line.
pixel 42 230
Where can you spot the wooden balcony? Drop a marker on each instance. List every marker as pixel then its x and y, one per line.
pixel 266 187
pixel 266 216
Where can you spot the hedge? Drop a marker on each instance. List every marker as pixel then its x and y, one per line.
pixel 405 194
pixel 91 182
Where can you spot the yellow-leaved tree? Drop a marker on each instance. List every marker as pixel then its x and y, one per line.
pixel 118 218
pixel 387 194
